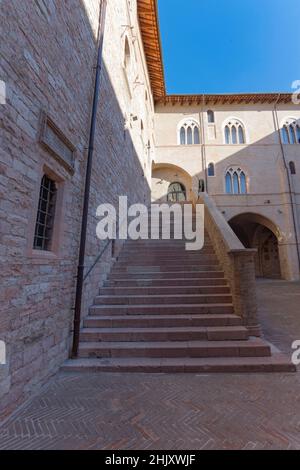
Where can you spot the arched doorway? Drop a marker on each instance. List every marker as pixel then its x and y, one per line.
pixel 268 253
pixel 170 183
pixel 176 192
pixel 256 231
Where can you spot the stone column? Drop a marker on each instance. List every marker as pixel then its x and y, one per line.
pixel 243 285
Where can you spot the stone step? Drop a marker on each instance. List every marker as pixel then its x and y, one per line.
pixel 164 290
pixel 160 334
pixel 164 268
pixel 163 309
pixel 276 363
pixel 163 299
pixel 168 283
pixel 187 275
pixel 178 349
pixel 160 261
pixel 160 243
pixel 165 257
pixel 127 250
pixel 159 250
pixel 157 321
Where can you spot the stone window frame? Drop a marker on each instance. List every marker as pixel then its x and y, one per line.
pixel 185 123
pixel 239 170
pixel 285 131
pixel 235 122
pixel 55 252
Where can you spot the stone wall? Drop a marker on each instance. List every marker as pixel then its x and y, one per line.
pixel 237 263
pixel 48 54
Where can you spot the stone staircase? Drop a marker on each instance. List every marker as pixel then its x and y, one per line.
pixel 165 309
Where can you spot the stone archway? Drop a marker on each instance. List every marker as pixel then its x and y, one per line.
pixel 256 231
pixel 267 260
pixel 166 175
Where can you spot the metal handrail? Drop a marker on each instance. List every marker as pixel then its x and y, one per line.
pixel 96 260
pixel 102 252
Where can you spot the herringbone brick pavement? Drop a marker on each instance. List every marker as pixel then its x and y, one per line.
pixel 172 411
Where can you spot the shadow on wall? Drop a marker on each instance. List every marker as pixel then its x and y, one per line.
pixel 37 314
pixel 253 197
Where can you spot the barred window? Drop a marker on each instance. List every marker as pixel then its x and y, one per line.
pixel 45 215
pixel 176 192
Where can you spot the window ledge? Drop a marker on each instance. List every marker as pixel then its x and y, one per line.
pixel 43 254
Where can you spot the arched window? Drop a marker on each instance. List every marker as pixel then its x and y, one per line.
pixel 234 132
pixel 227 135
pixel 127 55
pixel 241 135
pixel 196 136
pixel 290 132
pixel 235 181
pixel 210 116
pixel 211 169
pixel 189 133
pixel 292 168
pixel 176 192
pixel 182 136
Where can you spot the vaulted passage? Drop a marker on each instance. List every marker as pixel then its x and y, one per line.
pixel 255 231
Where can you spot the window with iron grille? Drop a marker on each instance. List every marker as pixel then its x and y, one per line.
pixel 45 215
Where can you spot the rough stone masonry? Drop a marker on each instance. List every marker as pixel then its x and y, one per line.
pixel 48 54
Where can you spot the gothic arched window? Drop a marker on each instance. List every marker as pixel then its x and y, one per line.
pixel 234 132
pixel 235 181
pixel 290 132
pixel 211 169
pixel 189 133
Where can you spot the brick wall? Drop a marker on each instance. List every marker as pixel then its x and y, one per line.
pixel 48 51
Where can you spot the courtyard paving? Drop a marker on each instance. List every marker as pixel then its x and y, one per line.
pixel 172 411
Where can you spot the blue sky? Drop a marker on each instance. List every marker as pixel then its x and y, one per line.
pixel 230 46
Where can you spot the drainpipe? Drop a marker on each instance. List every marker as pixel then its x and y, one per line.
pixel 84 220
pixel 203 153
pixel 288 180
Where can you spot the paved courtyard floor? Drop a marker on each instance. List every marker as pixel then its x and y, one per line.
pixel 169 411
